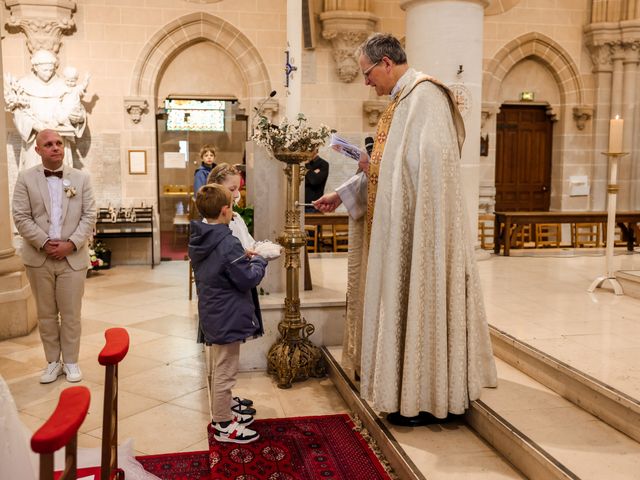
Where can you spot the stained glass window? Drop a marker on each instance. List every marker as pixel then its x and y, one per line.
pixel 195 115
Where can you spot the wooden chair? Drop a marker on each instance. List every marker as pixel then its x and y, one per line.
pixel 325 238
pixel 548 235
pixel 522 236
pixel 585 235
pixel 340 238
pixel 61 430
pixel 618 237
pixel 485 231
pixel 114 351
pixel 312 238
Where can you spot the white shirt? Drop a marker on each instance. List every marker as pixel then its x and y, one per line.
pixel 55 194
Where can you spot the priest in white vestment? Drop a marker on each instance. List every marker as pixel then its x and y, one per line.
pixel 416 327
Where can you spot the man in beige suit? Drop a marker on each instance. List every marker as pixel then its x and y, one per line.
pixel 55 212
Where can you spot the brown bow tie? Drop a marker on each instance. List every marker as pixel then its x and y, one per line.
pixel 49 173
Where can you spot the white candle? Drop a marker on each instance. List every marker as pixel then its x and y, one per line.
pixel 615 134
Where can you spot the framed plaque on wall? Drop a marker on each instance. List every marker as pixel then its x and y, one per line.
pixel 137 162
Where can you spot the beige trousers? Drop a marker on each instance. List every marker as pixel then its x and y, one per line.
pixel 225 359
pixel 58 291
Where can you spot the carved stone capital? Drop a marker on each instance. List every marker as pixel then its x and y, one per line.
pixel 602 40
pixel 347 30
pixel 581 115
pixel 42 21
pixel 135 107
pixel 373 109
pixel 631 51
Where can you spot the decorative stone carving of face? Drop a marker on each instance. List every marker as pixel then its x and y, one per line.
pixel 44 71
pixel 44 64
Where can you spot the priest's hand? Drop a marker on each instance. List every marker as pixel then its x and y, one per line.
pixel 328 202
pixel 363 163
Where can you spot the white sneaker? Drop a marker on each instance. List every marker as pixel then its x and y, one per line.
pixel 242 419
pixel 234 433
pixel 72 371
pixel 51 372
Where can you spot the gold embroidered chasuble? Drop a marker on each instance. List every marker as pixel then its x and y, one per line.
pixel 416 327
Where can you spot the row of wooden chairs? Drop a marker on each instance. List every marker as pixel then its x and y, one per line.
pixel 61 429
pixel 336 238
pixel 583 235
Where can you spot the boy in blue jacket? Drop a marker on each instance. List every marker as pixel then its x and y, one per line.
pixel 224 277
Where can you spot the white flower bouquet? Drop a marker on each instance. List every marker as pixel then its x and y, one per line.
pixel 292 137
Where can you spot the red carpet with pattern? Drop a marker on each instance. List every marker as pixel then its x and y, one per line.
pixel 302 448
pixel 178 466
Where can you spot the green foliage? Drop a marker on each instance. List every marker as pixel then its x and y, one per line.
pixel 247 215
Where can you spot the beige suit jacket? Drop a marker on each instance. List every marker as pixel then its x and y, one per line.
pixel 31 210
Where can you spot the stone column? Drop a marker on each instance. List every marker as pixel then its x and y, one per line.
pixel 266 191
pixel 627 194
pixel 601 40
pixel 455 27
pixel 294 39
pixel 16 302
pixel 631 43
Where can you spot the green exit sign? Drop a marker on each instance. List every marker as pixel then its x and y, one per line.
pixel 527 96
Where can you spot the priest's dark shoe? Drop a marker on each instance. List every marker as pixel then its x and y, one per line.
pixel 423 418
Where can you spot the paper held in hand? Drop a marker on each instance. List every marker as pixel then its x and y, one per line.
pixel 341 145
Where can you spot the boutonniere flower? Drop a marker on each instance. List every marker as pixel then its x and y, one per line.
pixel 70 191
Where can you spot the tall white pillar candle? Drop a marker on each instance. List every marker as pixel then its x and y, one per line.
pixel 616 126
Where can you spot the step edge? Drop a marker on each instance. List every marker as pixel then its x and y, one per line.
pixel 613 407
pixel 402 465
pixel 545 466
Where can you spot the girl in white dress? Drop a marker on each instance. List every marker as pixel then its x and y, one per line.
pixel 229 176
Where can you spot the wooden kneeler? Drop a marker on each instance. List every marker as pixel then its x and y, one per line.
pixel 61 430
pixel 115 349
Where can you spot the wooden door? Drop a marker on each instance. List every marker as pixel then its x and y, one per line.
pixel 523 158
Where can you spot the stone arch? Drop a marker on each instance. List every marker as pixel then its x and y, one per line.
pixel 547 51
pixel 184 32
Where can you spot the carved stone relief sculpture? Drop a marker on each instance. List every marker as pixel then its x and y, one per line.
pixel 347 30
pixel 43 22
pixel 582 115
pixel 373 109
pixel 135 107
pixel 43 100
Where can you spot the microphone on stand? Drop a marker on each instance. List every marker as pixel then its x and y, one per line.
pixel 258 109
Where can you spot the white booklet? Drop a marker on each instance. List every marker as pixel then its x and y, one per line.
pixel 343 146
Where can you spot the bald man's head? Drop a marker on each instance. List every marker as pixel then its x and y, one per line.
pixel 50 147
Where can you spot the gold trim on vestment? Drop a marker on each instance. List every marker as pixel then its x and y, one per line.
pixel 382 133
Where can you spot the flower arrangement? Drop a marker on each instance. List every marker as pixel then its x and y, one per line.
pixel 292 137
pixel 99 255
pixel 70 191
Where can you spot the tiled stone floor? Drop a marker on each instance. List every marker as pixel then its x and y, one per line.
pixel 163 402
pixel 540 299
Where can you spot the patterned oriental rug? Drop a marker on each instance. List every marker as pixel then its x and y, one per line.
pixel 178 466
pixel 302 448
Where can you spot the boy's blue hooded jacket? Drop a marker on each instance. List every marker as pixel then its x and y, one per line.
pixel 200 176
pixel 224 283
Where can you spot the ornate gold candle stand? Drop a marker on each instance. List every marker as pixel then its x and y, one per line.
pixel 293 357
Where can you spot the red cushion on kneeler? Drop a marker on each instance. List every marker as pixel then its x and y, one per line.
pixel 64 422
pixel 116 347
